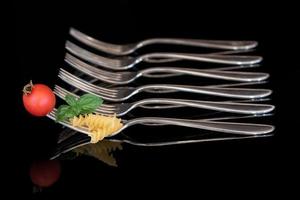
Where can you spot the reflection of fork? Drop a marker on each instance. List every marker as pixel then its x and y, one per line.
pixel 124 63
pixel 130 48
pixel 71 139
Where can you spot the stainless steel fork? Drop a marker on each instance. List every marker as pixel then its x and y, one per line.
pixel 124 108
pixel 130 48
pixel 126 62
pixel 119 94
pixel 217 126
pixel 70 139
pixel 122 78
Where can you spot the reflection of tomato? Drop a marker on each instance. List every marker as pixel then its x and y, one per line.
pixel 38 99
pixel 45 173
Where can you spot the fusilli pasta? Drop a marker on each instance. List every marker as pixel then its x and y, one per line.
pixel 99 126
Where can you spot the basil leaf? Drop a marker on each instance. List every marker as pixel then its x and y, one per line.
pixel 70 99
pixel 86 104
pixel 61 112
pixel 76 109
pixel 87 111
pixel 89 103
pixel 64 112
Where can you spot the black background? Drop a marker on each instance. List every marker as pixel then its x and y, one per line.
pixel 261 165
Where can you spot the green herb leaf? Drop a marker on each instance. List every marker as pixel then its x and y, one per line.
pixel 76 109
pixel 86 104
pixel 64 112
pixel 70 99
pixel 89 103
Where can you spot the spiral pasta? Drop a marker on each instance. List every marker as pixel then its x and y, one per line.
pixel 99 126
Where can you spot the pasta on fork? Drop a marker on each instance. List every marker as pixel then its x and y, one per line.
pixel 99 126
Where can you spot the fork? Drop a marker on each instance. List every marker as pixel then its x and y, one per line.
pixel 118 94
pixel 67 133
pixel 124 108
pixel 217 126
pixel 126 62
pixel 130 48
pixel 230 85
pixel 71 139
pixel 232 128
pixel 122 78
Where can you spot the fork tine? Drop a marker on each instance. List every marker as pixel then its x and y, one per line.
pixel 105 112
pixel 97 44
pixel 83 66
pixel 93 58
pixel 101 109
pixel 104 109
pixel 76 83
pixel 61 92
pixel 85 83
pixel 84 88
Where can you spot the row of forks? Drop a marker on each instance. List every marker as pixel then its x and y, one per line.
pixel 107 69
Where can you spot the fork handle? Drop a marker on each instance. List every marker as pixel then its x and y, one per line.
pixel 171 106
pixel 243 93
pixel 231 107
pixel 216 44
pixel 164 60
pixel 211 58
pixel 216 74
pixel 218 126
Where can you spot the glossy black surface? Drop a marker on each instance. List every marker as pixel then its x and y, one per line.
pixel 40 34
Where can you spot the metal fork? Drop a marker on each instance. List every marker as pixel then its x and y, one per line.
pixel 126 62
pixel 122 78
pixel 124 108
pixel 154 106
pixel 71 139
pixel 217 126
pixel 118 94
pixel 130 48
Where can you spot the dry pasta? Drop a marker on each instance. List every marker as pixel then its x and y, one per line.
pixel 99 126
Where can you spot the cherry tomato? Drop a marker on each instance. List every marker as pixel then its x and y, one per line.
pixel 45 173
pixel 38 99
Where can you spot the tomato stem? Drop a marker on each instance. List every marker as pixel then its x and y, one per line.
pixel 28 88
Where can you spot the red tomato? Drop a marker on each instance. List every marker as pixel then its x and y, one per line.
pixel 45 173
pixel 38 99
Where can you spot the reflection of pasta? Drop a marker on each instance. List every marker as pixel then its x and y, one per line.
pixel 99 126
pixel 103 151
